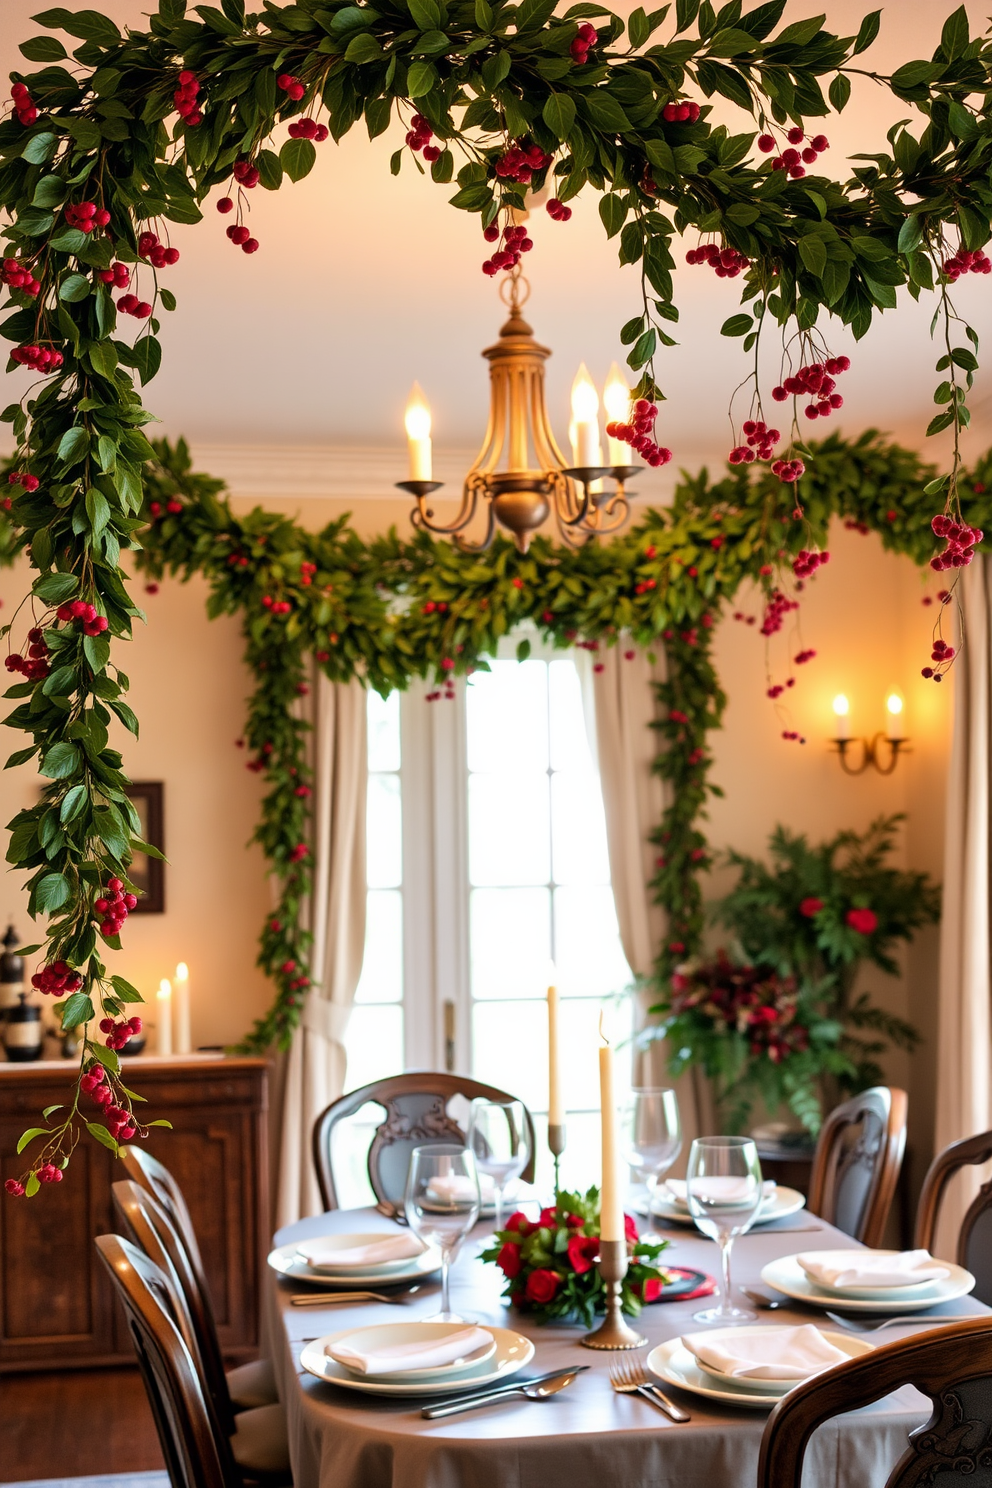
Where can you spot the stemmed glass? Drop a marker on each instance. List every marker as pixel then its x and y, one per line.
pixel 652 1136
pixel 723 1190
pixel 442 1204
pixel 497 1135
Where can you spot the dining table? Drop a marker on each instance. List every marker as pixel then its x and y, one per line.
pixel 588 1436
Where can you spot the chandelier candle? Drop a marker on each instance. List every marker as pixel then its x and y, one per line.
pixel 184 1042
pixel 616 401
pixel 164 999
pixel 586 448
pixel 418 435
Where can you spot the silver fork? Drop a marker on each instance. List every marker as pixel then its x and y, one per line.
pixel 629 1377
pixel 326 1299
pixel 855 1325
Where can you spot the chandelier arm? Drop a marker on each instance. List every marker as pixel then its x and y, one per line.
pixel 480 547
pixel 421 518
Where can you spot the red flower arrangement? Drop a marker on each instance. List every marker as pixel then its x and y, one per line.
pixel 550 1263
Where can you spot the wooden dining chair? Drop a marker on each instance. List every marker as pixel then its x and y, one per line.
pixel 249 1385
pixel 974 1242
pixel 416 1107
pixel 857 1161
pixel 197 1453
pixel 952 1365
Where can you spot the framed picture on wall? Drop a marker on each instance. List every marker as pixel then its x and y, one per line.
pixel 147 873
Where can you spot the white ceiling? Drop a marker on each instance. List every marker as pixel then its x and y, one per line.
pixel 364 282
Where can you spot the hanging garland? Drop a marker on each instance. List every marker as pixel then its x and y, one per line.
pixel 516 97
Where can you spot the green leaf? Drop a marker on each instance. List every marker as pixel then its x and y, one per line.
pixel 483 15
pixel 839 92
pixel 50 1110
pixel 32 1132
pixel 868 31
pixel 89 25
pixel 297 158
pixel 39 148
pixel 55 588
pixel 125 991
pixel 953 39
pixel 523 649
pixel 97 509
pixel 32 1185
pixel 269 169
pixel 74 287
pixel 160 1122
pixel 52 892
pixel 148 350
pixel 72 803
pixel 43 49
pixel 426 14
pixel 76 1009
pixel 737 325
pixel 613 211
pixel 910 234
pixel 100 1133
pixel 60 761
pixel 638 27
pixel 74 445
pixel 813 252
pixel 559 114
pixel 363 48
pixel 421 79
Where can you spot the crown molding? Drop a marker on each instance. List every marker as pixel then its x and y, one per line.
pixel 321 472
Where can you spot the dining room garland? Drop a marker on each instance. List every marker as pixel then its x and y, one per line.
pixel 92 175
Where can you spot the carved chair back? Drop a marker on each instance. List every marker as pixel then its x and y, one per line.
pixel 857 1161
pixel 196 1454
pixel 154 1176
pixel 158 1237
pixel 416 1107
pixel 952 1365
pixel 974 1245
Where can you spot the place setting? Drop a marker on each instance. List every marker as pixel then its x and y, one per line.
pixel 751 1366
pixel 869 1281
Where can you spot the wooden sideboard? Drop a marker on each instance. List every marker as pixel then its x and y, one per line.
pixel 56 1306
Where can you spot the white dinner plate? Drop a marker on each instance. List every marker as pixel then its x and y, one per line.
pixel 513 1352
pixel 362 1269
pixel 392 1335
pixel 786 1275
pixel 287 1261
pixel 780 1204
pixel 673 1363
pixel 848 1343
pixel 873 1294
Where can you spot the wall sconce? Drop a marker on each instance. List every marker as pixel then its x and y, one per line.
pixel 873 749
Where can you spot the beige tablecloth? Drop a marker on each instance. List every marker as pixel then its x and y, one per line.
pixel 587 1437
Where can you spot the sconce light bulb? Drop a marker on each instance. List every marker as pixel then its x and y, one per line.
pixel 418 414
pixel 841 705
pixel 894 703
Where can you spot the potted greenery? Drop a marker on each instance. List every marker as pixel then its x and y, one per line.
pixel 778 1018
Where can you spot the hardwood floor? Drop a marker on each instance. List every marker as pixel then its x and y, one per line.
pixel 76 1423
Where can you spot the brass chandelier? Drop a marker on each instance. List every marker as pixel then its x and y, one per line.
pixel 520 475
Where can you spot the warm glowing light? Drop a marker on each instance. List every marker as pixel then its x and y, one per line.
pixel 616 396
pixel 418 414
pixel 894 703
pixel 586 448
pixel 841 706
pixel 164 990
pixel 895 721
pixel 182 972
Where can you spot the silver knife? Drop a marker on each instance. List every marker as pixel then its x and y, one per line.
pixel 467 1402
pixel 659 1398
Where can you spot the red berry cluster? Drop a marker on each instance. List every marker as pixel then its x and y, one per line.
pixel 307 571
pixel 964 262
pixel 94 1084
pixel 290 85
pixel 514 242
pixel 761 442
pixel 558 211
pixel 129 304
pixel 119 1033
pixel 727 263
pixel 419 137
pixel 638 433
pixel 277 606
pixel 78 609
pixel 816 381
pixel 118 275
pixel 776 609
pixel 299 852
pixel 86 216
pixel 586 39
pixel 23 478
pixel 48 1173
pixel 241 236
pixel 942 654
pixel 246 174
pixel 437 694
pixel 234 560
pixel 150 247
pixel 23 107
pixel 960 542
pixel 38 358
pixel 35 665
pixel 14 1188
pixel 311 130
pixel 185 99
pixel 793 736
pixel 680 113
pixel 802 657
pixel 744 619
pixel 56 980
pixel 791 160
pixel 173 506
pixel 113 907
pixel 789 471
pixel 807 561
pixel 520 162
pixel 777 690
pixel 17 275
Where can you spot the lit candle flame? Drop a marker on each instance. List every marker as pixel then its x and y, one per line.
pixel 841 706
pixel 164 989
pixel 182 972
pixel 418 414
pixel 616 396
pixel 585 399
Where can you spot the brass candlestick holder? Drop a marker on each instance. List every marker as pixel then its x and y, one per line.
pixel 556 1144
pixel 613 1332
pixel 871 753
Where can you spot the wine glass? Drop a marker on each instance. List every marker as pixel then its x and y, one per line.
pixel 442 1204
pixel 724 1192
pixel 652 1136
pixel 497 1135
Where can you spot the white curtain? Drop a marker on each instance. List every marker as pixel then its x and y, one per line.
pixel 964 1087
pixel 314 1069
pixel 624 707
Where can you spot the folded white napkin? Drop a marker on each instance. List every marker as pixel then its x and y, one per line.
pixel 402 1358
pixel 730 1190
pixel 777 1353
pixel 459 1188
pixel 322 1255
pixel 871 1268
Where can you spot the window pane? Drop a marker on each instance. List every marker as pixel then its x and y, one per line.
pixel 385 832
pixel 384 731
pixel 508 829
pixel 588 953
pixel 382 965
pixel 350 1143
pixel 374 1044
pixel 569 733
pixel 510 940
pixel 578 828
pixel 580 1053
pixel 510 1040
pixel 507 717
